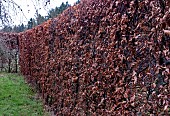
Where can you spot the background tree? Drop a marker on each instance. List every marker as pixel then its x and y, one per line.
pixel 54 12
pixel 2 55
pixel 6 27
pixel 8 8
pixel 40 19
pixel 8 53
pixel 30 23
pixel 19 28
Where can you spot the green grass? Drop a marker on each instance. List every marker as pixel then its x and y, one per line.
pixel 17 98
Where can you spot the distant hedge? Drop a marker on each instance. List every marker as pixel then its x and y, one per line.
pixel 102 57
pixel 9 52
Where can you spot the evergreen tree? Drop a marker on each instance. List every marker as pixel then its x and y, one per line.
pixel 21 27
pixel 30 24
pixel 40 19
pixel 7 29
pixel 78 1
pixel 58 10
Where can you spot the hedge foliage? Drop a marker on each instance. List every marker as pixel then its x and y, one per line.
pixel 102 57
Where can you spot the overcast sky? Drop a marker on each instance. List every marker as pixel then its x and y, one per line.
pixel 29 9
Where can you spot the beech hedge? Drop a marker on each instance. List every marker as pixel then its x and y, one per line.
pixel 102 57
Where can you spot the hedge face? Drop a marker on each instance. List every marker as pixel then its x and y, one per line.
pixel 101 58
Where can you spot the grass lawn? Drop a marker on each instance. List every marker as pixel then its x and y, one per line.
pixel 17 98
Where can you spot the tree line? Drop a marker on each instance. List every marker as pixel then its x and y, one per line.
pixel 38 19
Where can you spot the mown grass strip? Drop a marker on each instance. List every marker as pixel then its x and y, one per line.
pixel 17 98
